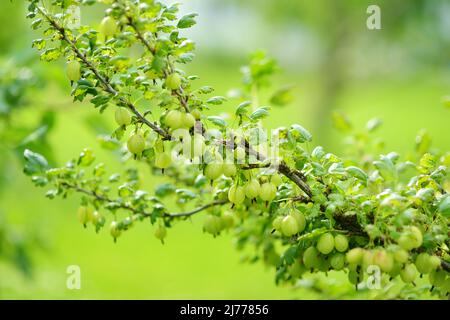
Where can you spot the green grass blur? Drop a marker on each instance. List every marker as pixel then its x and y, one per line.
pixel 191 264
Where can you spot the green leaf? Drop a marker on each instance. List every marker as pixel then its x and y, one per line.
pixel 444 206
pixel 218 121
pixel 357 173
pixel 282 96
pixel 299 133
pixel 34 163
pixel 187 21
pixel 242 108
pixel 216 100
pixel 386 168
pixel 259 113
pixel 423 142
pixel 50 54
pixel 205 90
pixel 164 189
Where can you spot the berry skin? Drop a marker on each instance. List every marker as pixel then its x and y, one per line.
pixel 162 160
pixel 411 238
pixel 213 171
pixel 437 278
pixel 300 218
pixel 252 189
pixel 326 243
pixel 212 224
pixel 197 146
pixel 268 191
pixel 73 70
pixel 160 232
pixel 277 223
pixel 227 220
pixel 84 215
pixel 276 179
pixel 401 255
pixel 354 256
pixel 408 273
pixel 173 81
pixel 311 258
pixel 337 261
pixel 289 226
pixel 187 120
pixel 236 194
pixel 197 114
pixel 384 260
pixel 122 116
pixel 424 263
pixel 114 230
pixel 136 143
pixel 108 26
pixel 174 119
pixel 229 169
pixel 341 243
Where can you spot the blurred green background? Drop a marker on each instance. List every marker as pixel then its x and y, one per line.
pixel 399 73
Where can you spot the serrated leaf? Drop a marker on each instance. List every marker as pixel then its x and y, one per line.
pixel 299 133
pixel 187 21
pixel 259 113
pixel 357 173
pixel 242 108
pixel 216 100
pixel 34 162
pixel 218 121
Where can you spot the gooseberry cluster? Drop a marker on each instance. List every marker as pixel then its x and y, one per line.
pixel 304 211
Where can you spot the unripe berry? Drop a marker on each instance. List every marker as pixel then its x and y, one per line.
pixel 289 226
pixel 212 224
pixel 326 243
pixel 122 116
pixel 197 114
pixel 341 243
pixel 84 215
pixel 384 260
pixel 114 230
pixel 276 179
pixel 411 238
pixel 277 223
pixel 337 261
pixel 423 263
pixel 227 220
pixel 187 120
pixel 160 232
pixel 408 273
pixel 108 26
pixel 73 70
pixel 229 169
pixel 437 278
pixel 236 194
pixel 173 81
pixel 268 191
pixel 354 256
pixel 401 255
pixel 300 218
pixel 136 143
pixel 162 160
pixel 98 219
pixel 213 170
pixel 174 119
pixel 311 258
pixel 252 189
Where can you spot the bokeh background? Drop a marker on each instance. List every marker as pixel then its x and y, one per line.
pixel 325 51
